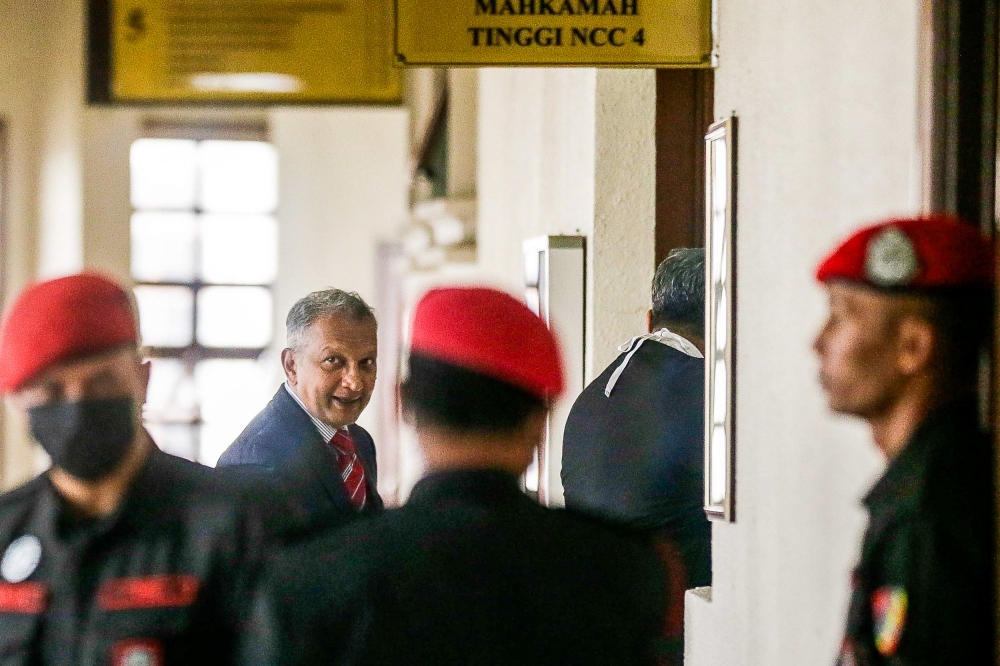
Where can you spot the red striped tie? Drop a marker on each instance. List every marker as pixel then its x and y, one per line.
pixel 351 471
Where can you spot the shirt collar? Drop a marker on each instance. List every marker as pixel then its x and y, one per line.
pixel 325 431
pixel 665 337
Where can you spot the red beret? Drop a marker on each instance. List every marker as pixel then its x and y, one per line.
pixel 58 320
pixel 489 332
pixel 913 253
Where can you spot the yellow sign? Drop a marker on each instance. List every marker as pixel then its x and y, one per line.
pixel 264 51
pixel 641 33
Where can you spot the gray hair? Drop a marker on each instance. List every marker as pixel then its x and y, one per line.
pixel 679 290
pixel 326 303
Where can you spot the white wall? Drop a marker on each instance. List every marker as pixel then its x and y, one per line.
pixel 622 245
pixel 41 93
pixel 826 96
pixel 20 98
pixel 61 179
pixel 536 161
pixel 571 151
pixel 344 184
pixel 106 139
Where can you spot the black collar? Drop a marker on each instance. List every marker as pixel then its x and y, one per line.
pixel 944 431
pixel 475 485
pixel 146 496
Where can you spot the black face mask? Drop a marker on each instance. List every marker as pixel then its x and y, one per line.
pixel 87 439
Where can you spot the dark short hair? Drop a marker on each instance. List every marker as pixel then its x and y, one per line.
pixel 440 394
pixel 325 303
pixel 963 317
pixel 679 290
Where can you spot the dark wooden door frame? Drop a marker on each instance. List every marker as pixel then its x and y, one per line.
pixel 684 110
pixel 963 97
pixel 962 150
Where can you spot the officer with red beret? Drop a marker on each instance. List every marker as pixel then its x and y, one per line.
pixel 470 570
pixel 119 554
pixel 910 312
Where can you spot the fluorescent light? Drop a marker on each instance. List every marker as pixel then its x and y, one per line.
pixel 266 82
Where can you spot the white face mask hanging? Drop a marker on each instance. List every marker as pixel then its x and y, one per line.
pixel 665 337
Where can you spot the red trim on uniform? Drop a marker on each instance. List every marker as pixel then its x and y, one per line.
pixel 122 652
pixel 30 598
pixel 165 590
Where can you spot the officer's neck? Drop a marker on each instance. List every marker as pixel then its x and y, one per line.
pixel 446 449
pixel 894 426
pixel 101 498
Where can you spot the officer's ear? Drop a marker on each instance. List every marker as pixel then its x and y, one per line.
pixel 649 321
pixel 288 364
pixel 915 348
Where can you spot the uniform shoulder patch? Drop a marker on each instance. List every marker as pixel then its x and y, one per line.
pixel 21 559
pixel 137 652
pixel 889 606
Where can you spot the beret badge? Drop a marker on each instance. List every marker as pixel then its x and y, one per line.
pixel 891 260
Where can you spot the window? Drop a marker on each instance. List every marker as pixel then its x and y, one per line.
pixel 204 255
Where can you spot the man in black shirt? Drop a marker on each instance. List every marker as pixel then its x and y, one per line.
pixel 634 446
pixel 119 554
pixel 910 309
pixel 470 570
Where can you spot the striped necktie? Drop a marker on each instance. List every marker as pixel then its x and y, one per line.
pixel 351 471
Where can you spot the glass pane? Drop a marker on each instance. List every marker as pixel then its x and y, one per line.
pixel 721 321
pixel 165 315
pixel 171 395
pixel 238 177
pixel 720 395
pixel 234 317
pixel 179 439
pixel 717 474
pixel 164 173
pixel 163 247
pixel 239 249
pixel 231 393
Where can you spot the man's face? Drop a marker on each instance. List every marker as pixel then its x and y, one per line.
pixel 333 371
pixel 858 350
pixel 117 374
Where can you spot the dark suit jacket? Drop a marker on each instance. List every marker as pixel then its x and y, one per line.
pixel 282 442
pixel 638 456
pixel 469 571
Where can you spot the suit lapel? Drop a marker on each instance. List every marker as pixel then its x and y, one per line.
pixel 324 468
pixel 312 452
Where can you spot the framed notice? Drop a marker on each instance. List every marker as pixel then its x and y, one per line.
pixel 242 51
pixel 720 343
pixel 555 283
pixel 618 33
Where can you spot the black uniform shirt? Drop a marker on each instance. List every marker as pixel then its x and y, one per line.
pixel 161 581
pixel 924 588
pixel 469 571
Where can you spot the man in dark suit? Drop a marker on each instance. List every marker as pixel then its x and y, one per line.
pixel 633 449
pixel 470 570
pixel 305 441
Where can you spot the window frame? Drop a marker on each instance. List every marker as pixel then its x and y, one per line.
pixel 194 353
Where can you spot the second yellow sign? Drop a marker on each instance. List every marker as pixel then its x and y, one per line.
pixel 641 33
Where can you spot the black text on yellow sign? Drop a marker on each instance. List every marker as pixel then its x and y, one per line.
pixel 642 33
pixel 257 51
